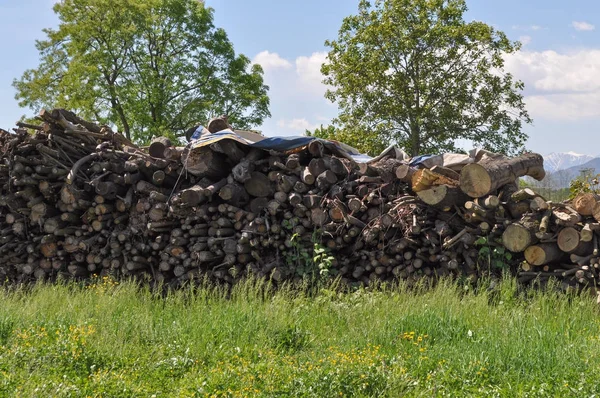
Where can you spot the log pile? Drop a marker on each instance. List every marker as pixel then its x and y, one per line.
pixel 77 199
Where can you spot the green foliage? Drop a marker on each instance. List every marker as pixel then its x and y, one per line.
pixel 323 260
pixel 366 142
pixel 117 340
pixel 415 73
pixel 493 255
pixel 586 182
pixel 152 67
pixel 312 261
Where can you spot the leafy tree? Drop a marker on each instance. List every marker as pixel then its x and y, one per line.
pixel 586 182
pixel 416 73
pixel 152 67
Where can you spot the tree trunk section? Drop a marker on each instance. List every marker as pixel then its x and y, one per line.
pixel 584 203
pixel 204 162
pixel 157 147
pixel 480 179
pixel 519 236
pixel 405 173
pixel 569 241
pixel 543 253
pixel 442 196
pixel 258 185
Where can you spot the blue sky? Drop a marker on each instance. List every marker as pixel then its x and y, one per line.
pixel 559 62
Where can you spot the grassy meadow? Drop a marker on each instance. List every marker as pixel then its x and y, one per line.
pixel 115 340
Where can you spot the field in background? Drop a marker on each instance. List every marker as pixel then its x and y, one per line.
pixel 113 340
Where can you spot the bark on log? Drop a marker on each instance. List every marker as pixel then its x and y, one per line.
pixel 584 203
pixel 543 253
pixel 258 204
pixel 405 173
pixel 217 124
pixel 485 177
pixel 158 145
pixel 235 194
pixel 317 166
pixel 326 179
pixel 538 204
pixel 258 185
pixel 442 196
pixel 596 211
pixel 230 149
pixel 523 194
pixel 309 178
pixel 386 168
pixel 569 241
pixel 243 170
pixel 518 209
pixel 192 196
pixel 519 236
pixel 204 162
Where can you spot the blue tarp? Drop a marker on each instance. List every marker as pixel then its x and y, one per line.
pixel 418 160
pixel 286 144
pixel 279 144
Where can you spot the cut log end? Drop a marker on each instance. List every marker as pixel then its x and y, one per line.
pixel 475 181
pixel 516 238
pixel 584 203
pixel 543 254
pixel 441 196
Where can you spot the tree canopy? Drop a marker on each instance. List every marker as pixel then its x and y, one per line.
pixel 152 67
pixel 415 73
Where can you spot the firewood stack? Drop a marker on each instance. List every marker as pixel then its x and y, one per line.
pixel 78 199
pixel 558 240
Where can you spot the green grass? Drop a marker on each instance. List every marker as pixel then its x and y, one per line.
pixel 113 340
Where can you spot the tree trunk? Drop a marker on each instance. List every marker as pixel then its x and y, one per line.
pixel 204 162
pixel 405 173
pixel 234 194
pixel 258 185
pixel 543 253
pixel 157 147
pixel 480 179
pixel 584 203
pixel 192 196
pixel 442 196
pixel 519 236
pixel 569 241
pixel 386 168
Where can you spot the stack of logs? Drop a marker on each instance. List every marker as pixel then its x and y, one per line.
pixel 559 240
pixel 77 199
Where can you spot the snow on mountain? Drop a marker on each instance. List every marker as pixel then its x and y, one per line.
pixel 563 160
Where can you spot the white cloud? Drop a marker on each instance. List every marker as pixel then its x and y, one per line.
pixel 296 93
pixel 526 28
pixel 271 61
pixel 297 124
pixel 572 107
pixel 583 26
pixel 559 86
pixel 551 71
pixel 308 70
pixel 525 40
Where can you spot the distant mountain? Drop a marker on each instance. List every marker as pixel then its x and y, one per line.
pixel 565 160
pixel 562 178
pixel 593 165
